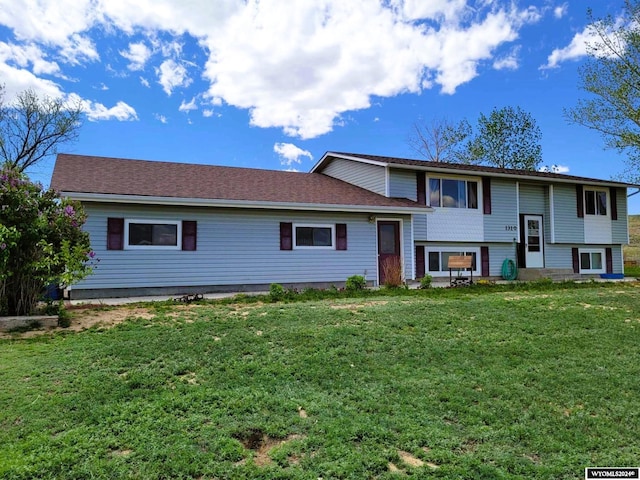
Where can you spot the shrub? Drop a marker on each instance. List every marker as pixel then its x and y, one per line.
pixel 355 283
pixel 276 292
pixel 392 270
pixel 425 282
pixel 41 242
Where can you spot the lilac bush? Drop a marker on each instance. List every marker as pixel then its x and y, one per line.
pixel 41 242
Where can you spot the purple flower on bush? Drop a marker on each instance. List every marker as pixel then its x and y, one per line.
pixel 69 211
pixel 92 254
pixel 3 246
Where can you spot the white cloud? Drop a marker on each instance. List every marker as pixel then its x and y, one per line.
pixel 186 107
pixel 145 82
pixel 290 154
pixel 575 50
pixel 16 80
pixel 337 56
pixel 561 10
pixel 138 54
pixel 172 75
pixel 97 111
pixel 27 55
pixel 509 61
pixel 208 113
pixel 161 118
pixel 555 169
pixel 448 10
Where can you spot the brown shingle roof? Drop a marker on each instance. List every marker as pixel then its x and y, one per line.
pixel 466 168
pixel 101 175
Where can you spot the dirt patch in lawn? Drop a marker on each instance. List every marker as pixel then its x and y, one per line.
pixel 262 445
pixel 356 306
pixel 90 316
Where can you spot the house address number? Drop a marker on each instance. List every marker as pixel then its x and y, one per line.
pixel 510 228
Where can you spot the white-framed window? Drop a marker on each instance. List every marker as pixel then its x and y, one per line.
pixel 437 259
pixel 314 236
pixel 595 202
pixel 592 260
pixel 152 234
pixel 453 193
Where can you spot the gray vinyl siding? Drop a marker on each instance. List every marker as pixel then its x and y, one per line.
pixel 504 212
pixel 616 251
pixel 403 184
pixel 558 256
pixel 371 177
pixel 408 248
pixel 420 227
pixel 234 247
pixel 619 227
pixel 532 199
pixel 498 253
pixel 568 227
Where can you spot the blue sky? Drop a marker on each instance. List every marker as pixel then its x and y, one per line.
pixel 276 83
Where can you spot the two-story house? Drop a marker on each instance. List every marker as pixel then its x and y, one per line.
pixel 166 228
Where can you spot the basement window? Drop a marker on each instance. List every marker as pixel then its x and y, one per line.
pixel 592 261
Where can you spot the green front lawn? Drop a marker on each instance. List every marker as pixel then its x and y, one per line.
pixel 476 383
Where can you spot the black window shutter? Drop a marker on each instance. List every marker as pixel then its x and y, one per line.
pixel 286 236
pixel 486 195
pixel 419 261
pixel 341 236
pixel 609 255
pixel 576 260
pixel 115 233
pixel 580 201
pixel 614 203
pixel 189 235
pixel 422 187
pixel 484 259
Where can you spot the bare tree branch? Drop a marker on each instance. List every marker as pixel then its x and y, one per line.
pixel 32 128
pixel 440 140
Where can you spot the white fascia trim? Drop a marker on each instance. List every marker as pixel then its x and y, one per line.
pixel 346 157
pixel 475 173
pixel 205 202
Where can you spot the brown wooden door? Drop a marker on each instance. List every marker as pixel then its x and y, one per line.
pixel 388 249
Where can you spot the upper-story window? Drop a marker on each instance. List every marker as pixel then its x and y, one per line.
pixel 595 202
pixel 446 192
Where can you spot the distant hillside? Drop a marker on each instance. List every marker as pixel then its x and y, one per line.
pixel 632 252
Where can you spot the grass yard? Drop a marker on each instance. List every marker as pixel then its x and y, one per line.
pixel 468 383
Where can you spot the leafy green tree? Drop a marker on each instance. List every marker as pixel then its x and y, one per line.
pixel 611 76
pixel 32 128
pixel 41 242
pixel 440 140
pixel 508 138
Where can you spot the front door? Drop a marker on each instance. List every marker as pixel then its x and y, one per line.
pixel 388 250
pixel 533 241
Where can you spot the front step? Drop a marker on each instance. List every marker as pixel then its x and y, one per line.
pixel 555 274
